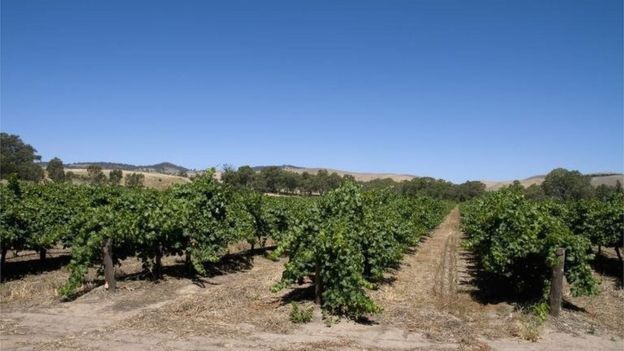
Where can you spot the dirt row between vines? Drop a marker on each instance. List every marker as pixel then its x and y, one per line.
pixel 428 304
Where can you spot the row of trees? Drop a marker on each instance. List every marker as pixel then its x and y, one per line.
pixel 278 180
pixel 441 189
pixel 95 175
pixel 18 160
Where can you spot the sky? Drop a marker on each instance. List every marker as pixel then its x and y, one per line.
pixel 452 89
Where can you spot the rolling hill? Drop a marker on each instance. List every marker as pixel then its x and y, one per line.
pixel 171 169
pixel 609 179
pixel 163 167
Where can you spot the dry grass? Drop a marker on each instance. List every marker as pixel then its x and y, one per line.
pixel 600 313
pixel 158 181
pixel 430 294
pixel 39 289
pixel 226 305
pixel 34 290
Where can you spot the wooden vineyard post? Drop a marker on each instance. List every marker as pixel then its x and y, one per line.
pixel 556 283
pixel 109 269
pixel 188 264
pixel 158 262
pixel 317 284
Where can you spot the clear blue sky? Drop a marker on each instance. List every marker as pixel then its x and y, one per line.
pixel 447 88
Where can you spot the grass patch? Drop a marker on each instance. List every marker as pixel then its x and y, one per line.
pixel 300 314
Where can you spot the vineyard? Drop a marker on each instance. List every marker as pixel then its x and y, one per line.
pixel 354 253
pixel 342 241
pixel 515 241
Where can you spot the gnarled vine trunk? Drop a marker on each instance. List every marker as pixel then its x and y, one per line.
pixel 109 269
pixel 318 288
pixel 157 271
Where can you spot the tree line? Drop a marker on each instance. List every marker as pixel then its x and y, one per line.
pixel 19 160
pixel 277 180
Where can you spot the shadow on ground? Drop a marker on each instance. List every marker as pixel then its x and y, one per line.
pixel 609 266
pixel 230 263
pixel 19 269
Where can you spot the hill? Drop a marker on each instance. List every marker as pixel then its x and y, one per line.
pixel 596 179
pixel 163 167
pixel 154 180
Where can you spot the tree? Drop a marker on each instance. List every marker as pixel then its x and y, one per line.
pixel 229 176
pixel 70 176
pixel 307 183
pixel 55 170
pixel 135 180
pixel 95 175
pixel 115 176
pixel 272 179
pixel 469 190
pixel 246 175
pixel 321 181
pixel 291 181
pixel 333 181
pixel 534 192
pixel 18 158
pixel 565 185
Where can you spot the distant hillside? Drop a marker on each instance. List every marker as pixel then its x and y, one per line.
pixel 259 168
pixel 596 179
pixel 156 180
pixel 163 167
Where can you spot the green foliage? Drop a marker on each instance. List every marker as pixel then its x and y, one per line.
pixel 134 180
pixel 438 188
pixel 95 175
pixel 204 222
pixel 277 180
pixel 345 241
pixel 601 221
pixel 565 185
pixel 55 170
pixel 515 239
pixel 301 315
pixel 34 216
pixel 115 176
pixel 18 158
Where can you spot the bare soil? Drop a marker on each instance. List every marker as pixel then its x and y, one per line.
pixel 429 304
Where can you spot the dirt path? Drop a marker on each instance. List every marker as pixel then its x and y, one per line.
pixel 428 305
pixel 431 293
